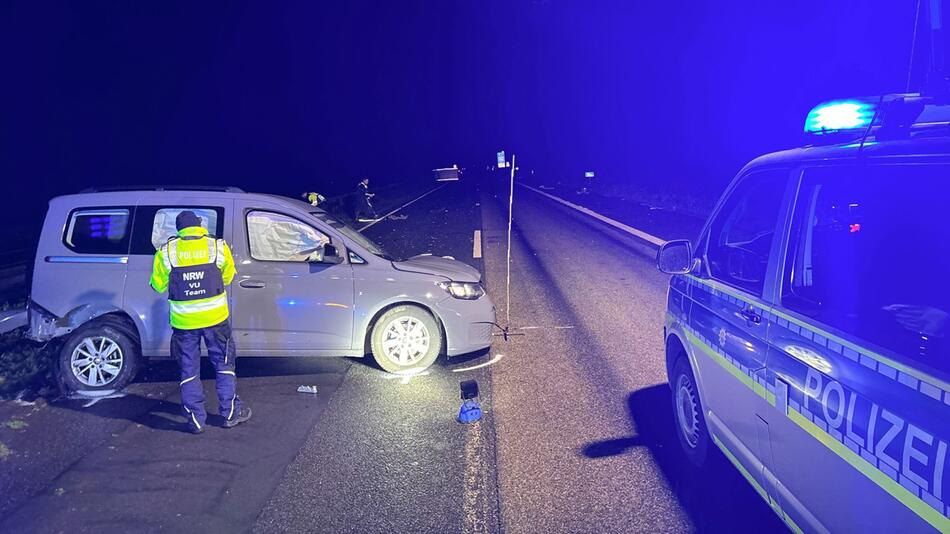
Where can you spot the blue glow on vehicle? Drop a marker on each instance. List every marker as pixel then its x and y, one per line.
pixel 840 115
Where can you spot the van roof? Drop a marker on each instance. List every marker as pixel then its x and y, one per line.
pixel 935 148
pixel 140 195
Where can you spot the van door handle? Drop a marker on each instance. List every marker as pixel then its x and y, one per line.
pixel 252 284
pixel 751 315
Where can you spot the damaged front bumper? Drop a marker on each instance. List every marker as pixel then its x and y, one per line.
pixel 44 325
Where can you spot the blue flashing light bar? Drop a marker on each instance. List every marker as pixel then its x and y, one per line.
pixel 840 115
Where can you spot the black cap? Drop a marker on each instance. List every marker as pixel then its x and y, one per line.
pixel 186 219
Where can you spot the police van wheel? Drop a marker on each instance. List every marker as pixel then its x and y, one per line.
pixel 99 356
pixel 406 339
pixel 688 413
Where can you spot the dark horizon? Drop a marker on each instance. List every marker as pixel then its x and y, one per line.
pixel 297 96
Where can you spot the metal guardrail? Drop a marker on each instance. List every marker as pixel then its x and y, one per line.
pixel 14 273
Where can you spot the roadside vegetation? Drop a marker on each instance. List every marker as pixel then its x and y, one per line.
pixel 26 367
pixel 694 205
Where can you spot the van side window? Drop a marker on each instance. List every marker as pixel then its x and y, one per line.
pixel 155 224
pixel 740 237
pixel 869 256
pixel 98 231
pixel 163 223
pixel 276 237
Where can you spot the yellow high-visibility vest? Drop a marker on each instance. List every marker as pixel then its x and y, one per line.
pixel 193 247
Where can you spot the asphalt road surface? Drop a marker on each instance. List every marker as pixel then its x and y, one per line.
pixel 577 434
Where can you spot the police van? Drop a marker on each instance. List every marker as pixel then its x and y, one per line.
pixel 808 328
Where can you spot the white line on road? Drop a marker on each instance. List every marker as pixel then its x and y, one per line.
pixel 479 366
pixel 652 239
pixel 474 499
pixel 383 218
pixel 477 245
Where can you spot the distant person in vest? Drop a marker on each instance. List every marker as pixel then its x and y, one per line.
pixel 194 268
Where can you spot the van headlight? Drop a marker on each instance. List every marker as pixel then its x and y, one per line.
pixel 463 290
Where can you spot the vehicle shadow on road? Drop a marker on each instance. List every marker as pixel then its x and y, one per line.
pixel 166 370
pixel 151 412
pixel 444 362
pixel 160 379
pixel 716 497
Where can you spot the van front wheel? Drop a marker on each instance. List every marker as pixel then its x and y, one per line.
pixel 97 357
pixel 405 339
pixel 688 412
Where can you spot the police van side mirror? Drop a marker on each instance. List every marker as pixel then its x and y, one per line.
pixel 676 257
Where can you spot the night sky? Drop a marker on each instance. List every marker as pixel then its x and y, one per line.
pixel 288 96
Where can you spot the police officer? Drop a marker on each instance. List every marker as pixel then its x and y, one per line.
pixel 194 268
pixel 365 212
pixel 314 198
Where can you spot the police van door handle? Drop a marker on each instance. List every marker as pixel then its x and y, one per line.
pixel 251 284
pixel 751 315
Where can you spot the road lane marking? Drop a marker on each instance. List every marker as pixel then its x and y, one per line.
pixel 474 499
pixel 384 217
pixel 652 239
pixel 479 366
pixel 477 245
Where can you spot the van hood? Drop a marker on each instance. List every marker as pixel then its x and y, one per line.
pixel 452 269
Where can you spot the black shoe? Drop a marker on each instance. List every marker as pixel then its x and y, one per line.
pixel 194 429
pixel 242 416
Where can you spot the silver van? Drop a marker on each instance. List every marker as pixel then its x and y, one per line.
pixel 306 285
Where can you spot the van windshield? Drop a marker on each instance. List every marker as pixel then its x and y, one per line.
pixel 350 233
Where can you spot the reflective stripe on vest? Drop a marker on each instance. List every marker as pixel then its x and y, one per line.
pixel 199 313
pixel 198 306
pixel 171 251
pixel 219 258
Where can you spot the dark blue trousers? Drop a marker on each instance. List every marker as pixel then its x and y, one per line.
pixel 186 349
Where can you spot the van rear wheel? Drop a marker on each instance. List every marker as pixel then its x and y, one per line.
pixel 99 356
pixel 688 412
pixel 405 339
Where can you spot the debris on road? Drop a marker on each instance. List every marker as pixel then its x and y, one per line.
pixel 402 217
pixel 23 403
pixel 95 396
pixel 307 389
pixel 471 410
pixel 16 424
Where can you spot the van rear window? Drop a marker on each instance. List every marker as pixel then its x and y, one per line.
pixel 98 231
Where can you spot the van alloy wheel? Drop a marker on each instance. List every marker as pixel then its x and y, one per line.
pixel 687 413
pixel 96 361
pixel 405 340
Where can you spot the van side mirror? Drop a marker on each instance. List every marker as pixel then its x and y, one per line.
pixel 676 257
pixel 327 253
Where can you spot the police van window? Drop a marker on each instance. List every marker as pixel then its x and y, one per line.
pixel 98 231
pixel 740 236
pixel 869 256
pixel 155 224
pixel 277 237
